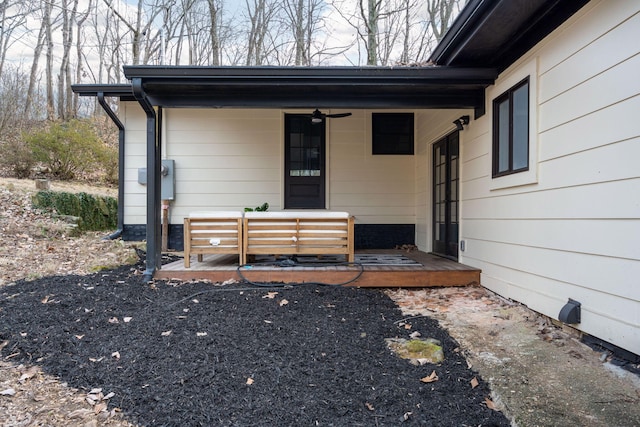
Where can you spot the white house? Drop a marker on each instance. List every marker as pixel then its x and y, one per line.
pixel 540 188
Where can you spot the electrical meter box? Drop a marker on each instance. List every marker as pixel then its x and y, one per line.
pixel 167 179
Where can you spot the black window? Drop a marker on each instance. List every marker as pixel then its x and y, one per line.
pixel 511 130
pixel 392 133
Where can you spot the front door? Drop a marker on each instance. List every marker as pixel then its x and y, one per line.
pixel 445 196
pixel 304 163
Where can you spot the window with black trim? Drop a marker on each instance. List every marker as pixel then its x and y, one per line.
pixel 392 133
pixel 511 130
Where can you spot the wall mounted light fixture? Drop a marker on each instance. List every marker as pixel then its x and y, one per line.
pixel 464 120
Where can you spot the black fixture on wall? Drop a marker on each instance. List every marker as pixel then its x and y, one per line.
pixel 464 120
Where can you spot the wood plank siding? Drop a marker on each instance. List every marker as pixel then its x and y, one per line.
pixel 571 228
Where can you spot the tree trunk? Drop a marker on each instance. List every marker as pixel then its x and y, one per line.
pixel 36 57
pixel 214 36
pixel 47 23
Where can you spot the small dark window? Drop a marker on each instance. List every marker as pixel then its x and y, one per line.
pixel 392 133
pixel 511 130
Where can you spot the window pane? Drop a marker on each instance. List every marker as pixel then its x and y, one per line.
pixel 521 127
pixel 392 133
pixel 503 136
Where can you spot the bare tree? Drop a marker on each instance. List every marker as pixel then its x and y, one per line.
pixel 215 38
pixel 261 14
pixel 48 23
pixel 140 26
pixel 80 20
pixel 305 22
pixel 441 13
pixel 13 17
pixel 400 31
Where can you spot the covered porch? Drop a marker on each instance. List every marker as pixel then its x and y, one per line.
pixel 372 268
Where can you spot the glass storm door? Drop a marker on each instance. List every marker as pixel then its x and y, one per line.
pixel 445 196
pixel 304 163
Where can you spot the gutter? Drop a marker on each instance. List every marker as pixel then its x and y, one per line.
pixel 153 231
pixel 461 31
pixel 121 159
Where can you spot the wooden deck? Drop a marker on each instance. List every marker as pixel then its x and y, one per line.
pixel 432 271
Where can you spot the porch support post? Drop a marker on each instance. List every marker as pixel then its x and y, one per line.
pixel 153 182
pixel 121 159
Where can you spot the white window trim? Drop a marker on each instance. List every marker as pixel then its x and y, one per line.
pixel 503 84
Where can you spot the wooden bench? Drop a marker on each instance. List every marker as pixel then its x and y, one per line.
pixel 297 233
pixel 218 232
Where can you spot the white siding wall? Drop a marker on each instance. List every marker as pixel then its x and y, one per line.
pixel 571 229
pixel 228 159
pixel 134 120
pixel 376 189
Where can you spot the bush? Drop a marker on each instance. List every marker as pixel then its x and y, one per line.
pixel 96 212
pixel 17 159
pixel 67 149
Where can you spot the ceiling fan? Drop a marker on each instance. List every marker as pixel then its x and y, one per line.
pixel 318 117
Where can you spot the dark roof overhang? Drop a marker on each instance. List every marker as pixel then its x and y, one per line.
pixel 495 33
pixel 313 87
pixel 121 91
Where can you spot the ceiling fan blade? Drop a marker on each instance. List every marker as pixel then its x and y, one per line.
pixel 338 115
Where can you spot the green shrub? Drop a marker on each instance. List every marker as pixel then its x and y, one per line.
pixel 67 149
pixel 96 212
pixel 17 158
pixel 263 208
pixel 109 164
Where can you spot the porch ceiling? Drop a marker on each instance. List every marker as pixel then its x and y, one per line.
pixel 317 87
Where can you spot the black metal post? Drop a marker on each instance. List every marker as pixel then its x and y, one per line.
pixel 121 160
pixel 153 182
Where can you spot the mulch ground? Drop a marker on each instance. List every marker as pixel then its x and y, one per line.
pixel 190 354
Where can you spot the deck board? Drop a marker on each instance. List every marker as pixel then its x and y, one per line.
pixel 433 271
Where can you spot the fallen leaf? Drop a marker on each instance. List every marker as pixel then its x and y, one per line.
pixel 127 319
pixel 431 378
pixel 113 320
pixel 95 391
pixel 201 334
pixel 116 354
pixel 270 295
pixel 474 383
pixel 93 359
pixel 195 301
pixel 79 337
pixel 284 302
pixel 166 333
pixel 369 406
pixel 490 404
pixel 79 414
pixel 8 392
pixel 109 396
pixel 407 415
pixel 102 406
pixel 268 321
pixel 249 381
pixel 415 334
pixel 29 373
pixel 407 326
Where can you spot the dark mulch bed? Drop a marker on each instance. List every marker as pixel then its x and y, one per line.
pixel 320 359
